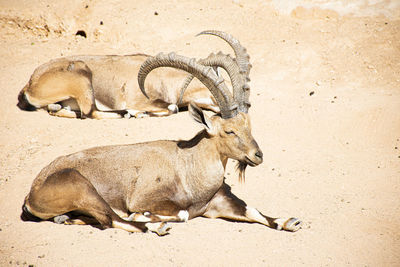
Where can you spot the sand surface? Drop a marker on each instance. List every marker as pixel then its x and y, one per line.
pixel 332 157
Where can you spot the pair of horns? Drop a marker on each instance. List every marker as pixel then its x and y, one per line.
pixel 238 69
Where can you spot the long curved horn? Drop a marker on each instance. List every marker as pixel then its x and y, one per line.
pixel 238 81
pixel 184 86
pixel 239 85
pixel 240 51
pixel 242 59
pixel 205 74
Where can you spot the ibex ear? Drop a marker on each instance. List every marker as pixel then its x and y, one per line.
pixel 199 116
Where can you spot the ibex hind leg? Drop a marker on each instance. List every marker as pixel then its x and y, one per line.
pixel 75 219
pixel 160 229
pixel 95 114
pixel 78 196
pixel 226 205
pixel 83 96
pixel 161 112
pixel 158 223
pixel 67 112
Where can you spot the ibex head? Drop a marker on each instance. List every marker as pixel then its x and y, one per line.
pixel 232 126
pixel 232 136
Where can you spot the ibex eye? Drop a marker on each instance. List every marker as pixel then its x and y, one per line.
pixel 230 132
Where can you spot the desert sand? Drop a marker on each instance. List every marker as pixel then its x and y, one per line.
pixel 325 93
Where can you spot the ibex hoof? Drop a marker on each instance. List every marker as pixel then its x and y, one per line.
pixel 183 215
pixel 54 107
pixel 61 219
pixel 173 109
pixel 160 229
pixel 127 115
pixel 163 229
pixel 292 225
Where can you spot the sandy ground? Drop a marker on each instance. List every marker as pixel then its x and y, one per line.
pixel 332 158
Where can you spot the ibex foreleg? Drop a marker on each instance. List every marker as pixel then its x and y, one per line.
pixel 226 205
pixel 158 223
pixel 182 216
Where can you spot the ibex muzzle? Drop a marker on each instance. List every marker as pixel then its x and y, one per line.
pixel 151 183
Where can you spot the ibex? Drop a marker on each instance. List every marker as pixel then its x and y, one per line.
pixel 104 87
pixel 149 184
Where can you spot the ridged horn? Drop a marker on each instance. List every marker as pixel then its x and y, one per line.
pixel 240 51
pixel 205 74
pixel 229 64
pixel 242 59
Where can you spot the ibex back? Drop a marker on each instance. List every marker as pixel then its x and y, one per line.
pixel 106 87
pixel 151 183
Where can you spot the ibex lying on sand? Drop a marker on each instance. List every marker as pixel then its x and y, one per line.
pixel 151 183
pixel 82 85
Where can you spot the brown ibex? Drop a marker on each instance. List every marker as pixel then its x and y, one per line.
pixel 105 87
pixel 161 181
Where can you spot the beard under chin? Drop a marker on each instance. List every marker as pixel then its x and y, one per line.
pixel 241 167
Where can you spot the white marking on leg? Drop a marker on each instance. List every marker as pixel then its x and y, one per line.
pixel 183 215
pixel 255 215
pixel 142 218
pixel 137 217
pixel 173 108
pixel 280 222
pixel 130 217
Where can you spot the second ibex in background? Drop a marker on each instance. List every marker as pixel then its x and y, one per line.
pixel 106 87
pixel 151 183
